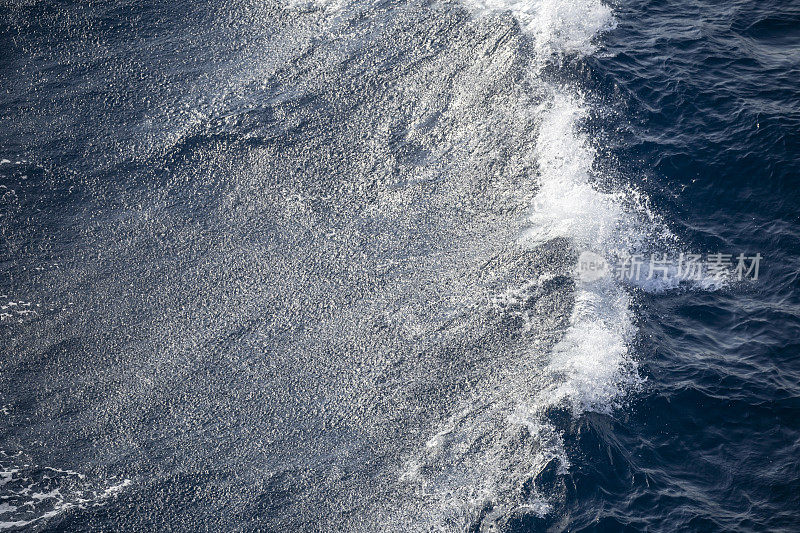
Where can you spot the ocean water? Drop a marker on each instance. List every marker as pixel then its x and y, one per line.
pixel 320 265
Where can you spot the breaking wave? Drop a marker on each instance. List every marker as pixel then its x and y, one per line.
pixel 495 459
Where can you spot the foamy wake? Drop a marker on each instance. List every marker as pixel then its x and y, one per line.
pixel 493 454
pixel 33 494
pixel 557 27
pixel 590 367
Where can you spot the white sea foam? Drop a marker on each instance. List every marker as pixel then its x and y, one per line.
pixel 329 6
pixel 557 26
pixel 566 204
pixel 475 459
pixel 16 310
pixel 591 368
pixel 33 494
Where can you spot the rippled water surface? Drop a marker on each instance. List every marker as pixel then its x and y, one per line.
pixel 311 265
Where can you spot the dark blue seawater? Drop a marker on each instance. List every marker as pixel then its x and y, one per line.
pixel 316 265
